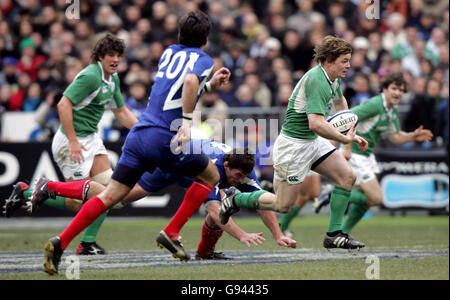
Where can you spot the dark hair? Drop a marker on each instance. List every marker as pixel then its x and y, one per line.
pixel 193 29
pixel 393 78
pixel 331 48
pixel 108 45
pixel 241 159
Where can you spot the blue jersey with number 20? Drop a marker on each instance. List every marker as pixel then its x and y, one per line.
pixel 165 103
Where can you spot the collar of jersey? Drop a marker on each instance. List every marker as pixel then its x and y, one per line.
pixel 103 75
pixel 389 111
pixel 326 75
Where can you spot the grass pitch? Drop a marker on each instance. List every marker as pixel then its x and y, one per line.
pixel 393 235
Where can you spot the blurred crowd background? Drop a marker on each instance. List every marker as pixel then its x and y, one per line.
pixel 267 44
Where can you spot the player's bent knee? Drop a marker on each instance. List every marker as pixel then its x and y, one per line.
pixel 103 177
pixel 347 182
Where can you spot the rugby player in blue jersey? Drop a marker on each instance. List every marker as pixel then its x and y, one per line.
pixel 157 139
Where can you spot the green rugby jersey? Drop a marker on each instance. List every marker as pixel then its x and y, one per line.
pixel 90 94
pixel 313 94
pixel 375 120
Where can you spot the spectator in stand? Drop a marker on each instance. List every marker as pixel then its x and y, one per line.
pixel 301 20
pixel 56 29
pixel 424 108
pixel 159 13
pixel 426 25
pixel 244 99
pixel 273 47
pixel 67 44
pixel 283 95
pixel 257 48
pixel 406 47
pixel 361 86
pixel 171 29
pixel 375 51
pixel 234 59
pixel 262 94
pixel 298 51
pixel 43 21
pixel 396 34
pixel 432 48
pixel 16 101
pixel 5 95
pixel 32 97
pixel 251 28
pixel 137 49
pixel 46 80
pixel 85 38
pixel 30 61
pixel 132 16
pixel 9 74
pixel 411 62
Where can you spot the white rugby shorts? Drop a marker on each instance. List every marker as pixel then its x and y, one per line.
pixel 69 169
pixel 365 168
pixel 293 158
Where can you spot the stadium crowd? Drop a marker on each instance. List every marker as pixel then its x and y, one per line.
pixel 267 44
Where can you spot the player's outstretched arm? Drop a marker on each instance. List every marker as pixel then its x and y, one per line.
pixel 418 135
pixel 270 220
pixel 233 229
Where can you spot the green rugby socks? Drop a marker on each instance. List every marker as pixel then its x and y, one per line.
pixel 358 197
pixel 248 200
pixel 90 234
pixel 355 213
pixel 286 218
pixel 338 204
pixel 58 202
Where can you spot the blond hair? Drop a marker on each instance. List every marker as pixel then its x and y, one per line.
pixel 331 48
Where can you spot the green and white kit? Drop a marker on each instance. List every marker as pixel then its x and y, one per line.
pixel 375 121
pixel 313 94
pixel 90 95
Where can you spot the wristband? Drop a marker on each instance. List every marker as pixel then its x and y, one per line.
pixel 207 88
pixel 187 119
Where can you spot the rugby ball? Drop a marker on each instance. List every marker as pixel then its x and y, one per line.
pixel 343 120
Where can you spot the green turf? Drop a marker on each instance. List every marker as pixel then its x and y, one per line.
pixel 379 233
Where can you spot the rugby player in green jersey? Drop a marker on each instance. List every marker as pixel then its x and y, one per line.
pixel 303 145
pixel 378 117
pixel 77 147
